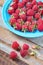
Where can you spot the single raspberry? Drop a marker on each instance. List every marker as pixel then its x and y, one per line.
pixel 24 28
pixel 30 12
pixel 29 18
pixel 14 15
pixel 28 6
pixel 11 10
pixel 14 5
pixel 25 47
pixel 12 21
pixel 15 45
pixel 20 21
pixel 35 8
pixel 17 26
pixel 34 2
pixel 20 4
pixel 13 55
pixel 37 15
pixel 17 11
pixel 23 17
pixel 16 1
pixel 23 53
pixel 25 1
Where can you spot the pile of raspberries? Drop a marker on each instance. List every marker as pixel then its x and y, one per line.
pixel 26 15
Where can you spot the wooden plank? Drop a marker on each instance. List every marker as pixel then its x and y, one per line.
pixel 9 37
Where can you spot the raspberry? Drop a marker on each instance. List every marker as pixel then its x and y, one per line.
pixel 34 2
pixel 37 15
pixel 20 4
pixel 25 1
pixel 15 45
pixel 23 16
pixel 14 15
pixel 17 11
pixel 14 5
pixel 29 18
pixel 12 21
pixel 17 26
pixel 23 53
pixel 24 28
pixel 16 1
pixel 35 8
pixel 40 4
pixel 30 12
pixel 13 55
pixel 27 23
pixel 25 47
pixel 11 10
pixel 28 5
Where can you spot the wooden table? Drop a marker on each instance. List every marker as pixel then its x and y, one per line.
pixel 9 37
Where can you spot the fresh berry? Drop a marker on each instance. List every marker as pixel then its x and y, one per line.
pixel 35 8
pixel 29 18
pixel 13 55
pixel 40 4
pixel 11 10
pixel 37 15
pixel 34 2
pixel 14 5
pixel 14 15
pixel 17 11
pixel 20 4
pixel 23 53
pixel 17 26
pixel 12 21
pixel 24 28
pixel 27 23
pixel 30 12
pixel 16 1
pixel 28 6
pixel 31 27
pixel 15 45
pixel 25 1
pixel 23 16
pixel 25 47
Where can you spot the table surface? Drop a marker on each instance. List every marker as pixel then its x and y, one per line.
pixel 38 41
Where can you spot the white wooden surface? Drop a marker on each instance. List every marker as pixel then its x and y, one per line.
pixel 38 41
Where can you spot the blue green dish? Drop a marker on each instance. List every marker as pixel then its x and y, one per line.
pixel 6 17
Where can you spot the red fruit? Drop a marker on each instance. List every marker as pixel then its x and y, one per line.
pixel 31 27
pixel 20 4
pixel 27 23
pixel 20 21
pixel 16 1
pixel 40 27
pixel 18 26
pixel 14 15
pixel 34 2
pixel 25 1
pixel 28 5
pixel 13 55
pixel 17 11
pixel 11 10
pixel 25 47
pixel 37 15
pixel 15 45
pixel 42 12
pixel 35 8
pixel 23 53
pixel 12 21
pixel 14 5
pixel 24 9
pixel 30 12
pixel 40 4
pixel 23 16
pixel 24 28
pixel 29 18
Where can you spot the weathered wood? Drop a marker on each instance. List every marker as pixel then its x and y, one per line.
pixel 9 37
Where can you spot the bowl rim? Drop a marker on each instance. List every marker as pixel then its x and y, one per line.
pixel 26 34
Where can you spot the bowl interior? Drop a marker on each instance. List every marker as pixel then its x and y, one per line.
pixel 6 18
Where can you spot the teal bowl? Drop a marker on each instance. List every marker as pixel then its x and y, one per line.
pixel 6 17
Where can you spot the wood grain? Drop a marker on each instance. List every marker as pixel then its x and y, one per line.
pixel 9 37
